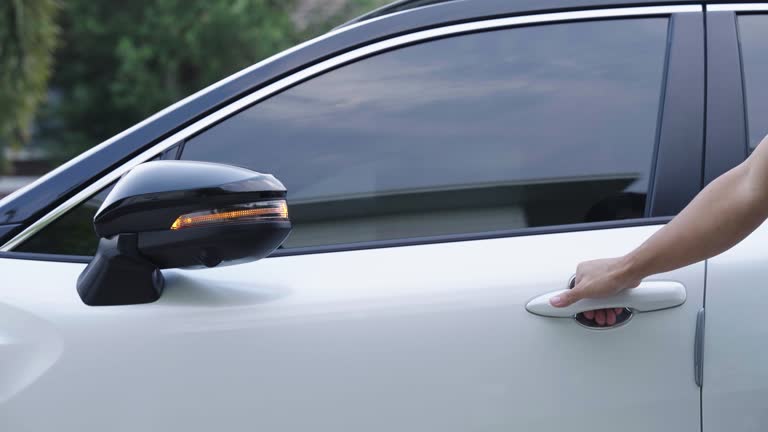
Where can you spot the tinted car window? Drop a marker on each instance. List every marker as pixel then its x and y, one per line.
pixel 753 34
pixel 500 130
pixel 491 131
pixel 72 233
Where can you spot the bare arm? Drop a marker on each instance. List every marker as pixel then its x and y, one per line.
pixel 720 216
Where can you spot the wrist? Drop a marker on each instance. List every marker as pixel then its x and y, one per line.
pixel 629 271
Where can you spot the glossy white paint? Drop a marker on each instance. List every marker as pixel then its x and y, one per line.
pixel 29 346
pixel 647 297
pixel 423 338
pixel 735 391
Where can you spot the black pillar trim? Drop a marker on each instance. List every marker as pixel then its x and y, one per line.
pixel 679 156
pixel 726 140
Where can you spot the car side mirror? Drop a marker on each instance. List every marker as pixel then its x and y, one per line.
pixel 180 214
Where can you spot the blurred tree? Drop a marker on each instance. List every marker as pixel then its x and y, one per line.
pixel 27 38
pixel 117 68
pixel 324 19
pixel 119 63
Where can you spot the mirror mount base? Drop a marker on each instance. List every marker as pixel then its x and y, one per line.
pixel 120 275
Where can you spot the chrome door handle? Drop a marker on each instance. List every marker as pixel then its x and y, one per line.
pixel 648 296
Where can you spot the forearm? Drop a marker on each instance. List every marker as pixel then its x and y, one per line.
pixel 720 216
pixel 723 214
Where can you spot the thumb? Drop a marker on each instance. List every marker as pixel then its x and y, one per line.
pixel 567 298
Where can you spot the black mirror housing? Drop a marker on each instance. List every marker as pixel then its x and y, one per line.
pixel 171 214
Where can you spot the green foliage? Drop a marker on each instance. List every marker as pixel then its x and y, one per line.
pixel 27 38
pixel 117 67
pixel 350 10
pixel 119 62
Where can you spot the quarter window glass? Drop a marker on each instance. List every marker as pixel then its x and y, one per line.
pixel 71 234
pixel 753 34
pixel 491 131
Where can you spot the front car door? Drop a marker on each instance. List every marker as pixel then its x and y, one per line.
pixel 438 181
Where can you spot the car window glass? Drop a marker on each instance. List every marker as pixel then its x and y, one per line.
pixel 498 130
pixel 492 131
pixel 72 233
pixel 753 35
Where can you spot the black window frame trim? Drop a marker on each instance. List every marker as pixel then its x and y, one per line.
pixel 680 156
pixel 727 140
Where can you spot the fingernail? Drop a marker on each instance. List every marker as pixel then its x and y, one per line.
pixel 556 300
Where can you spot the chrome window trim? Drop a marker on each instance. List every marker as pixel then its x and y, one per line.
pixel 738 7
pixel 312 71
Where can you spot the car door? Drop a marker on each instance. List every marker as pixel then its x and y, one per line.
pixel 735 380
pixel 438 182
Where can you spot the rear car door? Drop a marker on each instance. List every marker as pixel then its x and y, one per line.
pixel 735 379
pixel 437 182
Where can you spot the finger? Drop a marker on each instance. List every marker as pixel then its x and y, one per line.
pixel 600 317
pixel 567 298
pixel 590 315
pixel 610 317
pixel 618 311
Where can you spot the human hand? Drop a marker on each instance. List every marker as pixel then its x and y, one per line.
pixel 596 279
pixel 603 317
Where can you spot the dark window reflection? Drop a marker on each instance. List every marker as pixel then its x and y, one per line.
pixel 753 34
pixel 498 130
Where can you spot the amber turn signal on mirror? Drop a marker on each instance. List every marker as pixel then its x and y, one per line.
pixel 251 212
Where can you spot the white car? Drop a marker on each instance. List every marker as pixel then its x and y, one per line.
pixel 447 165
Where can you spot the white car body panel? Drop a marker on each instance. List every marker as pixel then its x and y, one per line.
pixel 735 390
pixel 432 337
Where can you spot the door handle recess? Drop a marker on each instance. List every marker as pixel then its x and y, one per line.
pixel 647 297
